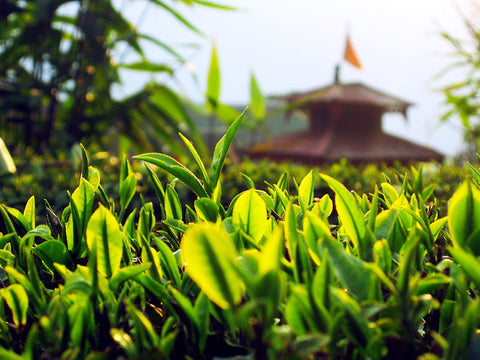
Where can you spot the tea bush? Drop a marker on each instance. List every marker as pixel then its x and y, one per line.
pixel 273 275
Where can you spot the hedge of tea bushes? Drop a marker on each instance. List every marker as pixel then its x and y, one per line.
pixel 51 178
pixel 269 276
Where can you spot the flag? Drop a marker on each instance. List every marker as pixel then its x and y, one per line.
pixel 350 54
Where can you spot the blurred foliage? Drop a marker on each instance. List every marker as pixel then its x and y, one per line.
pixel 463 97
pixel 58 63
pixel 50 178
pixel 359 178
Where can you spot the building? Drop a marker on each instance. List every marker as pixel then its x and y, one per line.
pixel 345 122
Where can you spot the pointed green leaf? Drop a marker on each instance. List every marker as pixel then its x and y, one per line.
pixel 17 300
pixel 175 168
pixel 250 214
pixel 173 207
pixel 349 269
pixel 206 209
pixel 464 216
pixel 305 191
pixel 52 251
pixel 29 212
pixel 349 213
pixel 127 191
pixel 257 100
pixel 104 234
pixel 213 81
pixel 198 161
pixel 126 273
pixel 221 150
pixel 211 259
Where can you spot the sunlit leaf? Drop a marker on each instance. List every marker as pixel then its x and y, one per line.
pixel 349 213
pixel 17 300
pixel 29 211
pixel 305 191
pixel 127 190
pixel 210 259
pixel 464 217
pixel 250 214
pixel 175 168
pixel 104 234
pixel 221 150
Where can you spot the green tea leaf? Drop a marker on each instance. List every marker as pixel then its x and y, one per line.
pixel 305 191
pixel 168 263
pixel 81 203
pixel 127 191
pixel 464 216
pixel 198 161
pixel 349 213
pixel 469 263
pixel 94 177
pixel 29 212
pixel 211 260
pixel 206 209
pixel 126 273
pixel 17 300
pixel 173 207
pixel 389 193
pixel 52 251
pixel 349 269
pixel 250 214
pixel 382 255
pixel 324 207
pixel 104 234
pixel 221 150
pixel 356 325
pixel 175 168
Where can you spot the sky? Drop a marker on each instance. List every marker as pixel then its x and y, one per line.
pixel 295 45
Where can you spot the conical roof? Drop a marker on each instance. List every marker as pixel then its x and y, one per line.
pixel 350 93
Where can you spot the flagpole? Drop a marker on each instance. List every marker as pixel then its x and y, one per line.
pixel 337 74
pixel 338 66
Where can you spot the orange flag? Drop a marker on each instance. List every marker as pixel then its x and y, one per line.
pixel 350 54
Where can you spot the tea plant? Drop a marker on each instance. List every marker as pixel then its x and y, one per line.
pixel 276 274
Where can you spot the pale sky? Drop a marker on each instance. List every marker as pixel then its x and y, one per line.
pixel 294 46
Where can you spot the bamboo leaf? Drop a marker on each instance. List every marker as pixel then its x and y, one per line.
pixel 213 80
pixel 147 66
pixel 257 100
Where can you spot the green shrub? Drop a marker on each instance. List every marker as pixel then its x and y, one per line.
pixel 272 275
